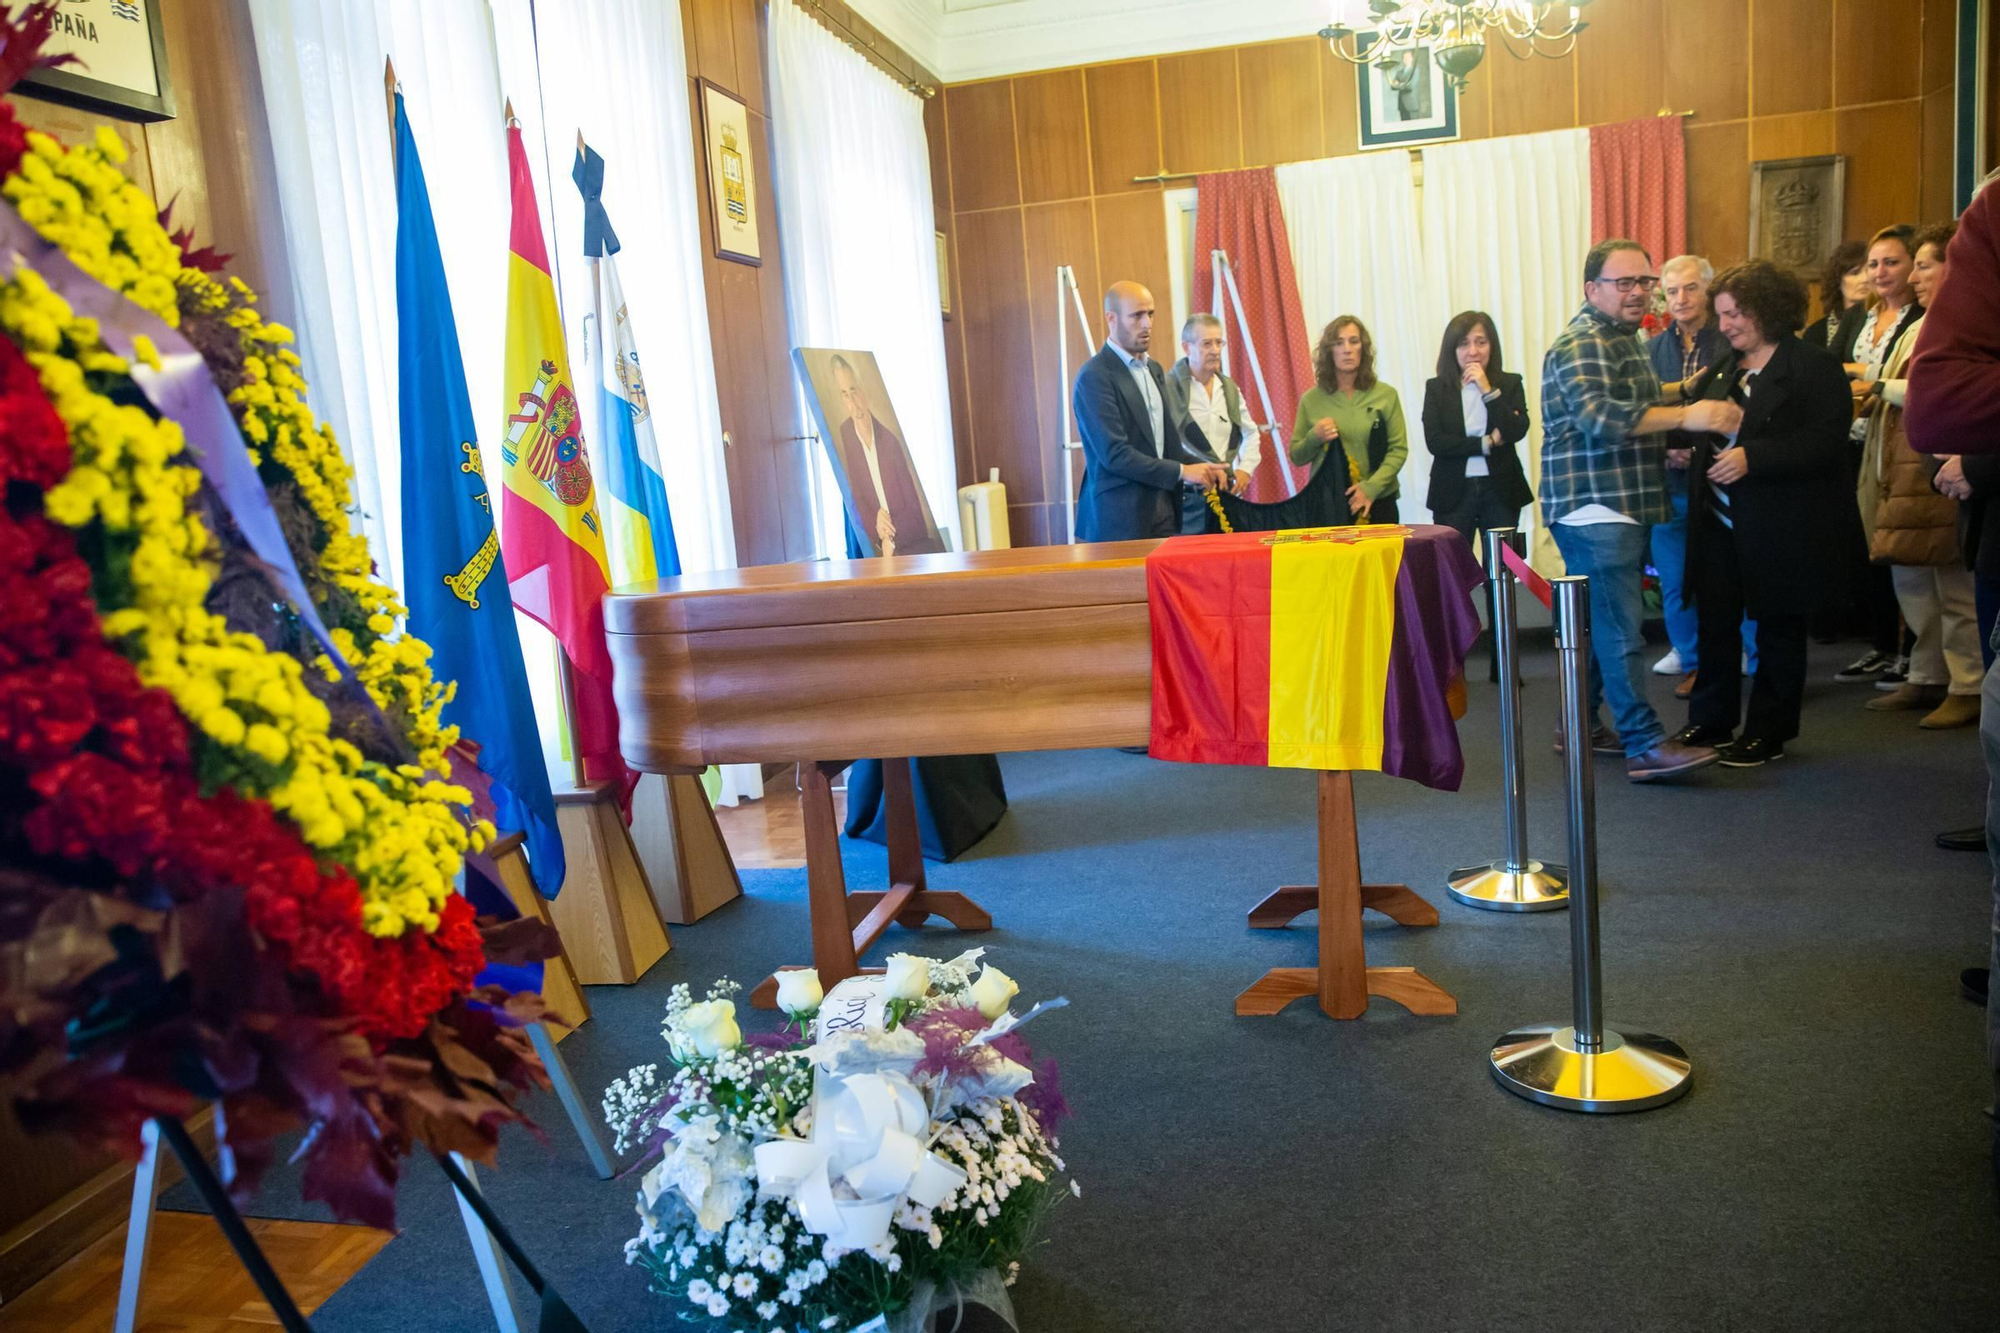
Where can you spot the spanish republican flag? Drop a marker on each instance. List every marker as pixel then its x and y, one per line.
pixel 1274 648
pixel 551 536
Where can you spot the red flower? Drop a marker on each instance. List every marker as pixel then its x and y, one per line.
pixel 34 445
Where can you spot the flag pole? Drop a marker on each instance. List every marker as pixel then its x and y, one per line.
pixel 389 95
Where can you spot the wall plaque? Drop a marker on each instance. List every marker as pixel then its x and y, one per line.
pixel 1797 211
pixel 121 59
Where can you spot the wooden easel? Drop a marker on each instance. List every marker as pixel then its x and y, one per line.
pixel 846 925
pixel 612 927
pixel 1343 980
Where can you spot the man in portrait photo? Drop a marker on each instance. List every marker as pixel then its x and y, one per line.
pixel 888 505
pixel 1409 81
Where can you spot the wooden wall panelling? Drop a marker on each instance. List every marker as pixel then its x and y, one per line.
pixel 1057 234
pixel 792 457
pixel 1054 136
pixel 1278 84
pixel 1940 45
pixel 1340 107
pixel 1475 109
pixel 1201 126
pixel 979 123
pixel 1806 134
pixel 1882 145
pixel 1718 172
pixel 1530 96
pixel 746 29
pixel 1936 199
pixel 935 132
pixel 999 349
pixel 1132 244
pixel 1876 49
pixel 1801 79
pixel 1123 106
pixel 713 54
pixel 1620 62
pixel 1707 49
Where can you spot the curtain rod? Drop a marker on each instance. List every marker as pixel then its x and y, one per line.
pixel 868 48
pixel 1161 177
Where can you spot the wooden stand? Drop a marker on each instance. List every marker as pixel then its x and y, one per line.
pixel 680 845
pixel 508 867
pixel 845 925
pixel 611 927
pixel 1343 980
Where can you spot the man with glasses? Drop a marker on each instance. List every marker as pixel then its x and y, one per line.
pixel 1604 418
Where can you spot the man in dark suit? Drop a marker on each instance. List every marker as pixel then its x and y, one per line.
pixel 878 472
pixel 1134 465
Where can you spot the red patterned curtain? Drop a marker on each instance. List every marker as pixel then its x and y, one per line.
pixel 1237 213
pixel 1638 184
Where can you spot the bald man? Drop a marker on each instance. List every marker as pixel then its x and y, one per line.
pixel 1134 463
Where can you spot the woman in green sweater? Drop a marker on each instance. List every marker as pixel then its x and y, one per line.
pixel 1344 406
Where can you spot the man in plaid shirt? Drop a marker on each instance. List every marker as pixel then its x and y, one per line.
pixel 1604 414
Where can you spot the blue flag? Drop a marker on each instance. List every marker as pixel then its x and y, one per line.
pixel 454 579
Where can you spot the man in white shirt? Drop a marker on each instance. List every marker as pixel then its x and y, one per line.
pixel 1213 424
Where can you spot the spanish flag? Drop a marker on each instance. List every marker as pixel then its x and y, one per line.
pixel 1273 648
pixel 552 538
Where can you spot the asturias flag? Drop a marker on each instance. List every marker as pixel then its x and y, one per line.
pixel 640 536
pixel 456 581
pixel 552 535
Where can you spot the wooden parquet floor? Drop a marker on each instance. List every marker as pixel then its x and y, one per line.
pixel 194 1283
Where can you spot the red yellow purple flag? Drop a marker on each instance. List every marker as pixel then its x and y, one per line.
pixel 551 536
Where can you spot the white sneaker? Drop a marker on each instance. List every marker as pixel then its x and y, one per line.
pixel 1670 665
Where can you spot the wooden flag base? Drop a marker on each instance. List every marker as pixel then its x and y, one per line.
pixel 611 927
pixel 680 845
pixel 508 866
pixel 1343 981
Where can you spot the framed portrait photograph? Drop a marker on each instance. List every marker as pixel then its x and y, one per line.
pixel 120 64
pixel 944 275
pixel 1798 211
pixel 886 509
pixel 1405 101
pixel 732 181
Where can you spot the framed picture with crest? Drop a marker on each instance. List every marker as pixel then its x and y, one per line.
pixel 1798 211
pixel 118 59
pixel 732 175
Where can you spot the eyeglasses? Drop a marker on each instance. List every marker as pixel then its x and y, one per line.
pixel 1641 284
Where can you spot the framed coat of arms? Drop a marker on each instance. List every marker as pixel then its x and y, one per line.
pixel 1797 211
pixel 732 177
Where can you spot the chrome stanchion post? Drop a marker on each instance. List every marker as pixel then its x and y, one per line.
pixel 1587 1065
pixel 1518 883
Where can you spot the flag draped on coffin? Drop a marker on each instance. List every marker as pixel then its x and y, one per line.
pixel 640 528
pixel 552 536
pixel 456 579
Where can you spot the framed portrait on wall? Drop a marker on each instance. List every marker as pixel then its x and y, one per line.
pixel 732 181
pixel 120 64
pixel 1405 99
pixel 1798 211
pixel 879 486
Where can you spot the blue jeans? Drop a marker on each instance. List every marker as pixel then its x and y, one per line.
pixel 1670 544
pixel 1613 557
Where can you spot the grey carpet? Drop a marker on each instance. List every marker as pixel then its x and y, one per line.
pixel 1791 926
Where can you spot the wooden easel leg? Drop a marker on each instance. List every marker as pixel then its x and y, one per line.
pixel 139 1229
pixel 492 1271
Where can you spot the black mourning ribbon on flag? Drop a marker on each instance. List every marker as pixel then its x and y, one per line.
pixel 588 173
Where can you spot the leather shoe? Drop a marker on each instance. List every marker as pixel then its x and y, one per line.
pixel 1686 687
pixel 1963 839
pixel 1603 740
pixel 1696 734
pixel 1669 759
pixel 1957 710
pixel 1752 752
pixel 1906 697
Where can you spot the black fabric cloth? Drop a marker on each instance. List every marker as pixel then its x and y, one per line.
pixel 1982 547
pixel 1129 491
pixel 1320 503
pixel 1794 512
pixel 1844 333
pixel 960 798
pixel 1483 502
pixel 1383 510
pixel 1717 570
pixel 1450 446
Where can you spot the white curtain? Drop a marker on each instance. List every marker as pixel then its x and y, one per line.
pixel 1506 226
pixel 1352 223
pixel 854 197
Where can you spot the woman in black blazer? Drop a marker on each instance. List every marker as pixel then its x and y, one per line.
pixel 1770 515
pixel 1843 295
pixel 1474 415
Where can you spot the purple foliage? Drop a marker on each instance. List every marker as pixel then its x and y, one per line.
pixel 772 1041
pixel 1044 1096
pixel 945 1032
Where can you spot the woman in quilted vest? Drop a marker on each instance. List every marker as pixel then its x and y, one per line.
pixel 1914 530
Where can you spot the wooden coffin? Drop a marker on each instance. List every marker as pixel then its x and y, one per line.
pixel 1034 648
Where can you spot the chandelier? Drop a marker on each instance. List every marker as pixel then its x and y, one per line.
pixel 1454 30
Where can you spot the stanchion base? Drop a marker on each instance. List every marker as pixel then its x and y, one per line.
pixel 1633 1071
pixel 1495 888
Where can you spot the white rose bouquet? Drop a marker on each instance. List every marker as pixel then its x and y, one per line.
pixel 889 1153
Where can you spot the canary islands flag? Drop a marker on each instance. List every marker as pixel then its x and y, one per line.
pixel 639 529
pixel 456 581
pixel 552 534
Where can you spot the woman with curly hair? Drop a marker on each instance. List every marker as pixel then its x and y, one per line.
pixel 1350 405
pixel 1768 513
pixel 1843 296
